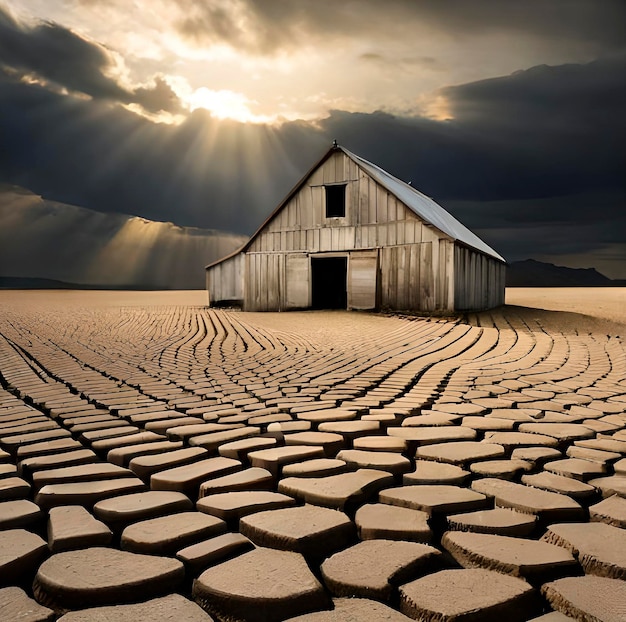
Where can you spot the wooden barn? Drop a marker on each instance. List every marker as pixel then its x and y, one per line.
pixel 351 236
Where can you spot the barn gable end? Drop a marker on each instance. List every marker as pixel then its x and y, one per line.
pixel 375 249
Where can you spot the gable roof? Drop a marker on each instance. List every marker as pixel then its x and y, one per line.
pixel 422 206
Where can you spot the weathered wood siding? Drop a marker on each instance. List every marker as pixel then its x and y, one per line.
pixel 418 276
pixel 374 217
pixel 479 280
pixel 224 281
pixel 264 284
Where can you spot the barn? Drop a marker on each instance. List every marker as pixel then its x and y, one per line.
pixel 351 236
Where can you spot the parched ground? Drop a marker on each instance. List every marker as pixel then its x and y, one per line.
pixel 606 304
pixel 162 460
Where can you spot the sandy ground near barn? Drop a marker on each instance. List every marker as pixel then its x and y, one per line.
pixel 604 303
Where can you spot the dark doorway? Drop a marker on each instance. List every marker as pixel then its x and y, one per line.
pixel 328 282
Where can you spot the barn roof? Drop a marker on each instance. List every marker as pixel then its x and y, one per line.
pixel 424 207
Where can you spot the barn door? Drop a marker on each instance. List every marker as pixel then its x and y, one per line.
pixel 362 273
pixel 298 281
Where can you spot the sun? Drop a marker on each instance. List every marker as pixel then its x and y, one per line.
pixel 224 104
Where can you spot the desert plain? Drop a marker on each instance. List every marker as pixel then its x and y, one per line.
pixel 162 460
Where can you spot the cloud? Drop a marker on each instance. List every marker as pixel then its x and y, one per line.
pixel 556 130
pixel 576 229
pixel 263 27
pixel 269 26
pixel 583 210
pixel 547 131
pixel 55 55
pixel 46 239
pixel 159 98
pixel 529 160
pixel 582 20
pixel 58 55
pixel 551 96
pixel 279 54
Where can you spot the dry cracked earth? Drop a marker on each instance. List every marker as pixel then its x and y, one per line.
pixel 165 461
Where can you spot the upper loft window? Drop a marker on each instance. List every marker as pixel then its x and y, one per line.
pixel 336 201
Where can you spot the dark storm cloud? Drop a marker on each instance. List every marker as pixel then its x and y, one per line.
pixel 54 54
pixel 582 20
pixel 265 27
pixel 158 98
pixel 555 97
pixel 555 226
pixel 585 210
pixel 58 55
pixel 548 131
pixel 530 156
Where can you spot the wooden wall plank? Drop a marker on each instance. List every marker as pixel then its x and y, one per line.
pixel 372 236
pixel 363 204
pixel 393 277
pixel 306 207
pixel 391 213
pixel 414 281
pixel 380 206
pixel 427 284
pixel 419 231
pixel 400 231
pixel 292 212
pixel 325 240
pixel 409 232
pixel 340 161
pixel 329 170
pixel 402 297
pixel 382 235
pixel 318 200
pixel 310 240
pixel 264 280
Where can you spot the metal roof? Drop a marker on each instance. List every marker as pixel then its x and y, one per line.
pixel 422 206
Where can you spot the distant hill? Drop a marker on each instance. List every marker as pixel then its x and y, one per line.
pixel 531 273
pixel 24 282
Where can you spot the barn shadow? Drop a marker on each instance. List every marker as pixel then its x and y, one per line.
pixel 565 322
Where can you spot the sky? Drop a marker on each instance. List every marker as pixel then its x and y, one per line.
pixel 205 113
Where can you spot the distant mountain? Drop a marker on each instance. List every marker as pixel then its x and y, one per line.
pixel 25 282
pixel 531 273
pixel 53 244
